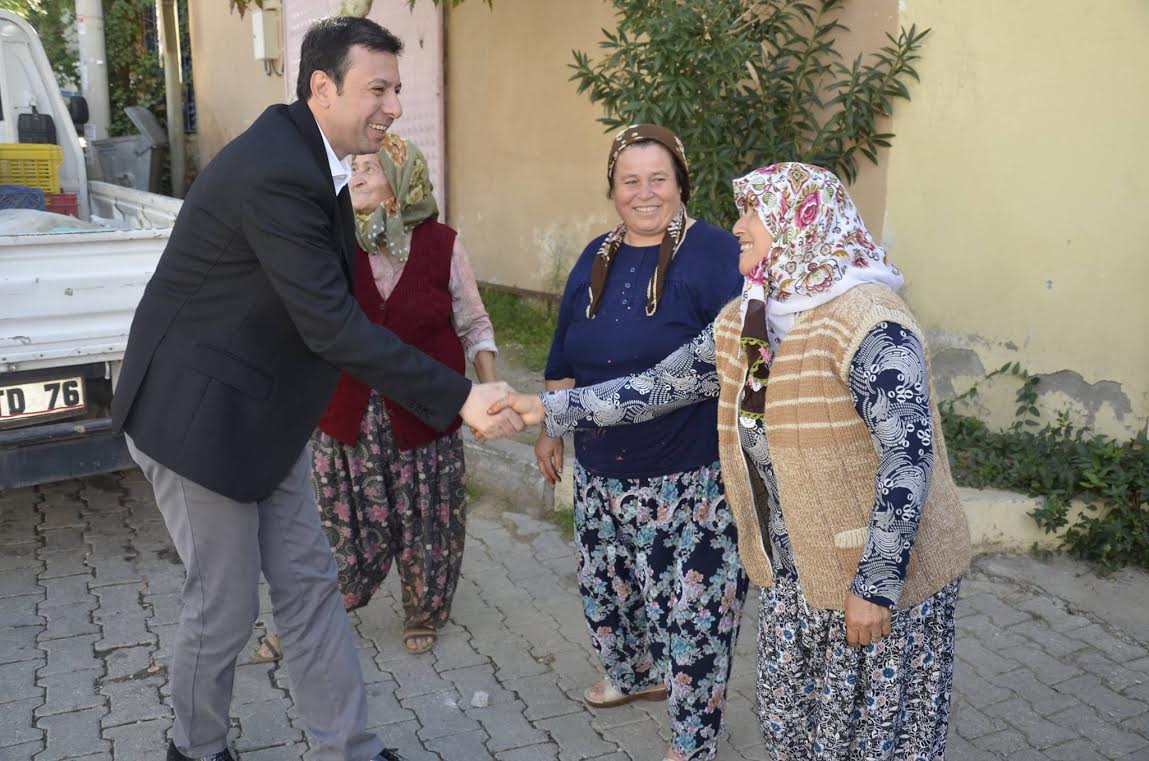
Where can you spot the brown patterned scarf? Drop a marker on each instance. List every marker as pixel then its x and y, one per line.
pixel 671 240
pixel 759 356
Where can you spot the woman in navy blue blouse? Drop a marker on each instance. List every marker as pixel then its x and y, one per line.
pixel 661 581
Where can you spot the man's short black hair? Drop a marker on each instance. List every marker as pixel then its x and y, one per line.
pixel 327 47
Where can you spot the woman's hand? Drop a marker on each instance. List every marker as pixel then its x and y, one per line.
pixel 866 622
pixel 549 456
pixel 528 406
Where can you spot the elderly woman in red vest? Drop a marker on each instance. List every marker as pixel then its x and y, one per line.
pixel 389 487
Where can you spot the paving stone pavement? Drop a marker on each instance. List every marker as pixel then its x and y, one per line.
pixel 88 605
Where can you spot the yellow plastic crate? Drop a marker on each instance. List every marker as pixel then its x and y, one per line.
pixel 33 165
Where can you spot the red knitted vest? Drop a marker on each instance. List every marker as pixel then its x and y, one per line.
pixel 419 313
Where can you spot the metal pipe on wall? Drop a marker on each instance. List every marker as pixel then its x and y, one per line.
pixel 173 91
pixel 93 67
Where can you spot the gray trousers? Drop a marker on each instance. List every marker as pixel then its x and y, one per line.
pixel 224 545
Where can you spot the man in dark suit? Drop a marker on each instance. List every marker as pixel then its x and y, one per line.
pixel 234 352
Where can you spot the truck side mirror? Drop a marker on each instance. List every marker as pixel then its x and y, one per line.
pixel 78 110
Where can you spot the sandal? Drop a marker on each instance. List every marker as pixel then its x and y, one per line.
pixel 612 696
pixel 270 650
pixel 412 633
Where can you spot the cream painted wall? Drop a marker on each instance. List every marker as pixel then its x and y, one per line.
pixel 1015 182
pixel 526 156
pixel 526 159
pixel 230 84
pixel 869 21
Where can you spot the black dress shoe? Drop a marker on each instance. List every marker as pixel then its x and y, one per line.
pixel 387 754
pixel 175 755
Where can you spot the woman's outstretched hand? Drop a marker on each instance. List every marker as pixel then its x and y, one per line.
pixel 528 406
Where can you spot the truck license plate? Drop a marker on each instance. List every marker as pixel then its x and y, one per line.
pixel 25 402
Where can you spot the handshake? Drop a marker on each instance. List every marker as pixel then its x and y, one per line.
pixel 497 411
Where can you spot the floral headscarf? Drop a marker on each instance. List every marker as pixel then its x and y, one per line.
pixel 390 225
pixel 821 250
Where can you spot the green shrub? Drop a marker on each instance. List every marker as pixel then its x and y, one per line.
pixel 1060 462
pixel 746 83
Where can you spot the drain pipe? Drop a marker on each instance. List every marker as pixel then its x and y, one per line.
pixel 173 89
pixel 93 67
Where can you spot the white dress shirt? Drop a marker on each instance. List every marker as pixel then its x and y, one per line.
pixel 340 170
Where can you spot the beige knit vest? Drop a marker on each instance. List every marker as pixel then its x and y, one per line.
pixel 824 459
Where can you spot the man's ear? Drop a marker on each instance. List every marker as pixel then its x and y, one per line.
pixel 322 88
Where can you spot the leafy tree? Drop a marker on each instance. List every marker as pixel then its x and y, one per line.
pixel 747 82
pixel 55 22
pixel 135 72
pixel 347 7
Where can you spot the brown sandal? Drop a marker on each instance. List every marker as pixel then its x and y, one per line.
pixel 411 633
pixel 612 696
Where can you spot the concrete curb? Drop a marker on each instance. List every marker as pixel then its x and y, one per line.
pixel 508 468
pixel 999 521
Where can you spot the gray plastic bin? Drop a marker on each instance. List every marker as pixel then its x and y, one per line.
pixel 134 161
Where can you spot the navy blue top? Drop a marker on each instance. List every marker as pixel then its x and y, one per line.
pixel 621 339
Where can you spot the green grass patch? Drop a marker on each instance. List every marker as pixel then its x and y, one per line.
pixel 522 324
pixel 564 519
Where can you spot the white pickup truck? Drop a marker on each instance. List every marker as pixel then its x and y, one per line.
pixel 66 295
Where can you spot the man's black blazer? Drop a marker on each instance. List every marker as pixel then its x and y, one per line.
pixel 238 341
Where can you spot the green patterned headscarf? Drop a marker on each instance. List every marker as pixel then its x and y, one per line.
pixel 389 226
